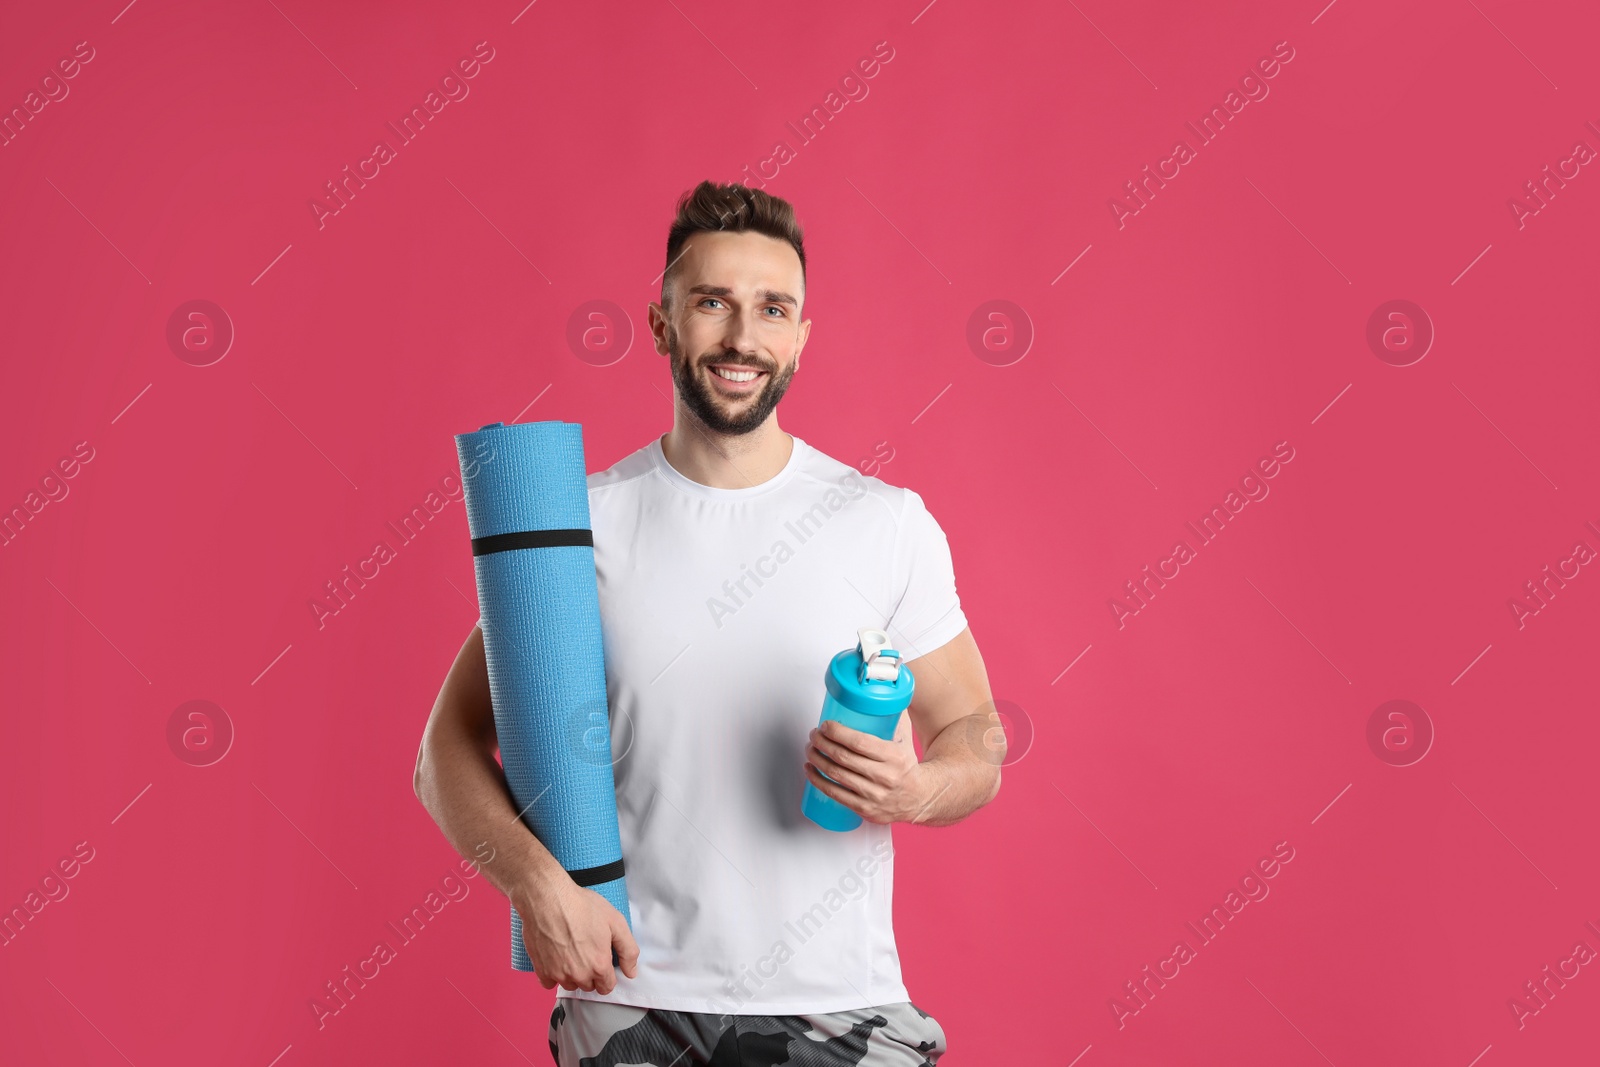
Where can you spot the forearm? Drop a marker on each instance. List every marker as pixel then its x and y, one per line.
pixel 958 773
pixel 464 788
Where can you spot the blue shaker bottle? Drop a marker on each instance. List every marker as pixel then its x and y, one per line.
pixel 867 688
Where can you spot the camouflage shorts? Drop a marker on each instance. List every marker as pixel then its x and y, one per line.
pixel 599 1033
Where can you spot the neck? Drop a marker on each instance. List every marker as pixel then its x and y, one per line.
pixel 720 461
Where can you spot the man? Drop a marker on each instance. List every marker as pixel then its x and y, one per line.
pixel 733 561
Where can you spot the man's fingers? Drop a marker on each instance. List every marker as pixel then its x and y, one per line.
pixel 852 740
pixel 841 763
pixel 843 778
pixel 606 981
pixel 832 749
pixel 624 947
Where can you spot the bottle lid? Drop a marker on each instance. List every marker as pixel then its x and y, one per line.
pixel 871 678
pixel 879 662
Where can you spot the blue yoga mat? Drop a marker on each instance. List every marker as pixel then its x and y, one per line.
pixel 527 502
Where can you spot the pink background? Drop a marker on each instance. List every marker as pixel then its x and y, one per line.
pixel 1229 314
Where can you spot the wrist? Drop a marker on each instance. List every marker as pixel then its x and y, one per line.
pixel 522 867
pixel 925 787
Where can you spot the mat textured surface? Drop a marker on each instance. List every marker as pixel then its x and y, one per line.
pixel 542 640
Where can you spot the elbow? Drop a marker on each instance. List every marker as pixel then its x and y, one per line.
pixel 994 790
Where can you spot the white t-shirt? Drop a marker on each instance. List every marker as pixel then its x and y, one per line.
pixel 720 612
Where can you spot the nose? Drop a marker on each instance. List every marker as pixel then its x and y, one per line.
pixel 740 334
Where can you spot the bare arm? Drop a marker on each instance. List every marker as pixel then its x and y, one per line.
pixel 569 930
pixel 464 787
pixel 953 706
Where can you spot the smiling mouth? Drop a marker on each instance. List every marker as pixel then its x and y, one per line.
pixel 736 374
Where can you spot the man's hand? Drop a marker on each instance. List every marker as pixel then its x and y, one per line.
pixel 879 780
pixel 570 932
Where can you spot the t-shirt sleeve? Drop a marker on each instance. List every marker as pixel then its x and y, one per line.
pixel 928 612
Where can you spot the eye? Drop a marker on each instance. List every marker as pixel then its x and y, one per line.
pixel 776 307
pixel 709 299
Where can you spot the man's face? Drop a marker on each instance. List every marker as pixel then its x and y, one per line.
pixel 735 307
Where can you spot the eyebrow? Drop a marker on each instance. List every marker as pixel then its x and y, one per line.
pixel 766 296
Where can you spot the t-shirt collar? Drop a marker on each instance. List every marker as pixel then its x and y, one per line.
pixel 689 485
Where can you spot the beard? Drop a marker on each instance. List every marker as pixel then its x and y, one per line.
pixel 720 414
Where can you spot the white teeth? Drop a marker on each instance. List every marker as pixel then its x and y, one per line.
pixel 736 376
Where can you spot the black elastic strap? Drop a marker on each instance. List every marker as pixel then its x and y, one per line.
pixel 606 872
pixel 483 546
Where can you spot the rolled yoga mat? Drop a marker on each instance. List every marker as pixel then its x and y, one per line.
pixel 527 502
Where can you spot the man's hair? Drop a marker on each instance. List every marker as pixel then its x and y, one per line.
pixel 733 208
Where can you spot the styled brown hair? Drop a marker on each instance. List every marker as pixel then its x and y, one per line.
pixel 735 208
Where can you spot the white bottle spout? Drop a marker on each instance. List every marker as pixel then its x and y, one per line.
pixel 882 663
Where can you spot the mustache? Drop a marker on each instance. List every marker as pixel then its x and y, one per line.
pixel 736 362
